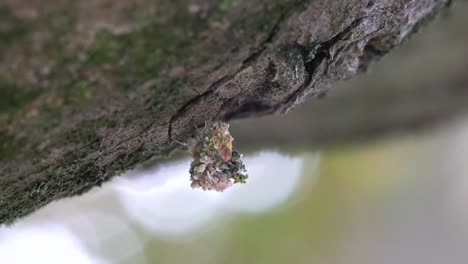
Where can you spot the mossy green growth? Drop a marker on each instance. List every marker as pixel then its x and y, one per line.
pixel 142 52
pixel 61 25
pixel 225 5
pixel 312 52
pixel 8 145
pixel 168 39
pixel 105 48
pixel 78 92
pixel 291 53
pixel 12 28
pixel 12 98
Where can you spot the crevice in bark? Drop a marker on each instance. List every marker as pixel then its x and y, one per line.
pixel 258 51
pixel 185 107
pixel 321 54
pixel 264 44
pixel 370 53
pixel 246 107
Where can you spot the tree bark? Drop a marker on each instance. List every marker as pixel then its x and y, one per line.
pixel 359 114
pixel 90 89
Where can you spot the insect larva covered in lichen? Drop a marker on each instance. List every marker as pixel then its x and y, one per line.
pixel 216 164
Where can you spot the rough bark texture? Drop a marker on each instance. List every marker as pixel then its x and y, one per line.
pixel 89 89
pixel 359 114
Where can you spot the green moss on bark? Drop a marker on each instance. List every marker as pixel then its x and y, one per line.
pixel 9 146
pixel 12 28
pixel 13 98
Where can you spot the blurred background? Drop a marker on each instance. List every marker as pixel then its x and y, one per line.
pixel 390 188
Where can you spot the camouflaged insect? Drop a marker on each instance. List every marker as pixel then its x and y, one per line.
pixel 216 165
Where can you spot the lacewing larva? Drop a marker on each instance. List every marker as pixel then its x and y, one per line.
pixel 216 164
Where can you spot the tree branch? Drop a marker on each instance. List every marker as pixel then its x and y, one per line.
pixel 89 89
